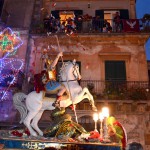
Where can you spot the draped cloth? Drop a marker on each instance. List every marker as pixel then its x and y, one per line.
pixel 131 25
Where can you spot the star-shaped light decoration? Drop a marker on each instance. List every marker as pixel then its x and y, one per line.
pixel 9 41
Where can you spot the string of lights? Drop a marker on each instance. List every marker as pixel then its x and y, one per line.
pixel 9 67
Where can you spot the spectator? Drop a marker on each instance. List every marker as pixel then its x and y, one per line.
pixel 46 22
pixel 87 23
pixel 97 22
pixel 117 22
pixel 73 26
pixel 63 26
pixel 107 27
pixel 79 23
pixel 68 25
pixel 134 146
pixel 94 23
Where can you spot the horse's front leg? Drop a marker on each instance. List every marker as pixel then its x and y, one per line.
pixel 86 90
pixel 35 121
pixel 91 99
pixel 91 103
pixel 82 95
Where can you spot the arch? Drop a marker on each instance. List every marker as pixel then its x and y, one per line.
pixel 87 122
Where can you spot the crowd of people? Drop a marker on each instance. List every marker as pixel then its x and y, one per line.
pixel 54 25
pixel 81 23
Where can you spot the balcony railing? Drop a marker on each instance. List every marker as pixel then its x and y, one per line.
pixel 118 90
pixel 55 26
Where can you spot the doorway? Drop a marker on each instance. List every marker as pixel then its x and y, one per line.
pixel 109 16
pixel 64 15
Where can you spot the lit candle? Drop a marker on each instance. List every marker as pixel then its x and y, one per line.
pixel 105 112
pixel 101 116
pixel 95 118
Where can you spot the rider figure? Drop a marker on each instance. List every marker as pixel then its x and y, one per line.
pixel 51 85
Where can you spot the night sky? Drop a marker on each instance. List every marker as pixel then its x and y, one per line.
pixel 143 7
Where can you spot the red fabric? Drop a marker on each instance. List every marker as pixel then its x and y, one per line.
pixel 39 86
pixel 72 107
pixel 59 97
pixel 94 134
pixel 54 4
pixel 130 25
pixel 124 134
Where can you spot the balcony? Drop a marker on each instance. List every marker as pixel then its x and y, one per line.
pixel 118 90
pixel 90 26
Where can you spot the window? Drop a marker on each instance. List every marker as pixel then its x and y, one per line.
pixel 64 15
pixel 87 122
pixel 115 71
pixel 109 16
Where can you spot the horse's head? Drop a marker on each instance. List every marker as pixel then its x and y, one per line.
pixel 70 70
pixel 75 70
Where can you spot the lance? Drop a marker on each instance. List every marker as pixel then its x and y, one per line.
pixel 74 108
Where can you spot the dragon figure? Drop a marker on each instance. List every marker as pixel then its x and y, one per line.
pixel 63 126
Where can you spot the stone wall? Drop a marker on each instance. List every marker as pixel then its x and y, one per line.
pixel 92 50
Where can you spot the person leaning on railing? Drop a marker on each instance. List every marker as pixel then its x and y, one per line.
pixel 107 27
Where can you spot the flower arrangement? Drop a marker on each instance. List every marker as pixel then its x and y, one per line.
pixel 20 133
pixel 95 137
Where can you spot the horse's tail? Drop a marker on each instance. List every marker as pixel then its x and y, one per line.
pixel 18 99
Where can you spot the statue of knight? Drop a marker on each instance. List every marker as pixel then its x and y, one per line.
pixel 48 77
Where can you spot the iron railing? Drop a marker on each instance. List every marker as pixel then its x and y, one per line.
pixel 133 90
pixel 86 26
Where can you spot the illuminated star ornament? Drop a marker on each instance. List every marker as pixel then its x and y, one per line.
pixel 9 41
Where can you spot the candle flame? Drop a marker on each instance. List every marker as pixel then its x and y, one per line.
pixel 105 112
pixel 95 116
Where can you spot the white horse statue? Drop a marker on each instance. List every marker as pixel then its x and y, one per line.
pixel 35 103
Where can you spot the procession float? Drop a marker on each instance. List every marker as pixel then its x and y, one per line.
pixel 63 132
